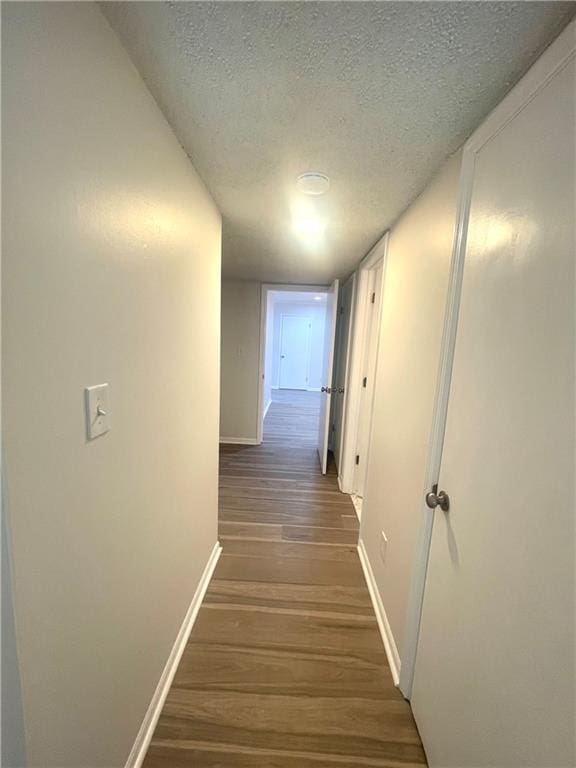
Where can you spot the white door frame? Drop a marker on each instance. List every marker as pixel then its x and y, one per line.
pixel 308 349
pixel 347 356
pixel 553 59
pixel 353 395
pixel 265 289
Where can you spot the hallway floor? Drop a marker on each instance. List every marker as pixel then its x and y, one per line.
pixel 285 667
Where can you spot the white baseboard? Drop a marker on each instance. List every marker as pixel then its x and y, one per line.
pixel 268 404
pixel 357 501
pixel 239 441
pixel 142 742
pixel 382 619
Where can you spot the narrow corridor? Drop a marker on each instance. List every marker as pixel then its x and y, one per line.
pixel 285 666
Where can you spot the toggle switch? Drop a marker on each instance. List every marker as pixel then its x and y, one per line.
pixel 97 411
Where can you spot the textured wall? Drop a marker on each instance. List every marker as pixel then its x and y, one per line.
pixel 415 286
pixel 111 272
pixel 240 360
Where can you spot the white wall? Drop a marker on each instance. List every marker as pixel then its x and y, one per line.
pixel 111 273
pixel 316 311
pixel 240 360
pixel 414 301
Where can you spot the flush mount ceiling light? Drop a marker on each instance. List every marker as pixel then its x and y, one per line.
pixel 313 183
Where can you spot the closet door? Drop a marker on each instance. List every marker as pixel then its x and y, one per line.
pixel 327 374
pixel 494 680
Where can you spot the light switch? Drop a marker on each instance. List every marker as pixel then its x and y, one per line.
pixel 97 411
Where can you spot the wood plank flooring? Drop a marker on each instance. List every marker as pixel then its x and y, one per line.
pixel 285 667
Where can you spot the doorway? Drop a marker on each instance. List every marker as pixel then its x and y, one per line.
pixel 296 353
pixel 362 374
pixel 295 363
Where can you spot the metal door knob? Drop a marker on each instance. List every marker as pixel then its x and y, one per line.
pixel 435 499
pixel 326 389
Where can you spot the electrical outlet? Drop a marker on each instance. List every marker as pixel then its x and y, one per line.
pixel 383 545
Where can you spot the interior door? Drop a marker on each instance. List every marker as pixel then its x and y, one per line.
pixel 494 680
pixel 374 297
pixel 342 346
pixel 294 352
pixel 327 371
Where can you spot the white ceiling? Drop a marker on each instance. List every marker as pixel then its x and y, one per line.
pixel 375 94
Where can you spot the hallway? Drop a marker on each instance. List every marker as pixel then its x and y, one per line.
pixel 285 666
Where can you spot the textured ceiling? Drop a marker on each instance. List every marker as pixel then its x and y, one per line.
pixel 375 94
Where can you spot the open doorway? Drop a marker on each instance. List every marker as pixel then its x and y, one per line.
pixel 296 357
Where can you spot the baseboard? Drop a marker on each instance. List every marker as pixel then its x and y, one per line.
pixel 313 389
pixel 357 502
pixel 268 404
pixel 142 742
pixel 382 619
pixel 239 441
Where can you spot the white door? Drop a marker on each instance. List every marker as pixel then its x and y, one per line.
pixel 294 352
pixel 494 681
pixel 327 369
pixel 374 297
pixel 342 355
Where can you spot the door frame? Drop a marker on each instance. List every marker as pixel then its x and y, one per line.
pixel 358 346
pixel 551 61
pixel 264 291
pixel 344 353
pixel 308 349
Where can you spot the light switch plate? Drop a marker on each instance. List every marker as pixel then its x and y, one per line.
pixel 97 411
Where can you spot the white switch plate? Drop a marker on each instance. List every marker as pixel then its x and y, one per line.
pixel 97 411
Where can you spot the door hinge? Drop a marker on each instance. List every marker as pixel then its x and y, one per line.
pixel 333 427
pixel 341 310
pixel 357 459
pixel 364 381
pixel 373 299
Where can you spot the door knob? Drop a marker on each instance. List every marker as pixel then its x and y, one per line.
pixel 435 499
pixel 326 389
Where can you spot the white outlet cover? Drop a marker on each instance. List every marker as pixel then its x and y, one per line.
pixel 97 406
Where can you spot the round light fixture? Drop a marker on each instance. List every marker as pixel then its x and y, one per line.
pixel 313 183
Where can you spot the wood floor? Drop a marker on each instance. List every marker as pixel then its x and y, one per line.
pixel 285 667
